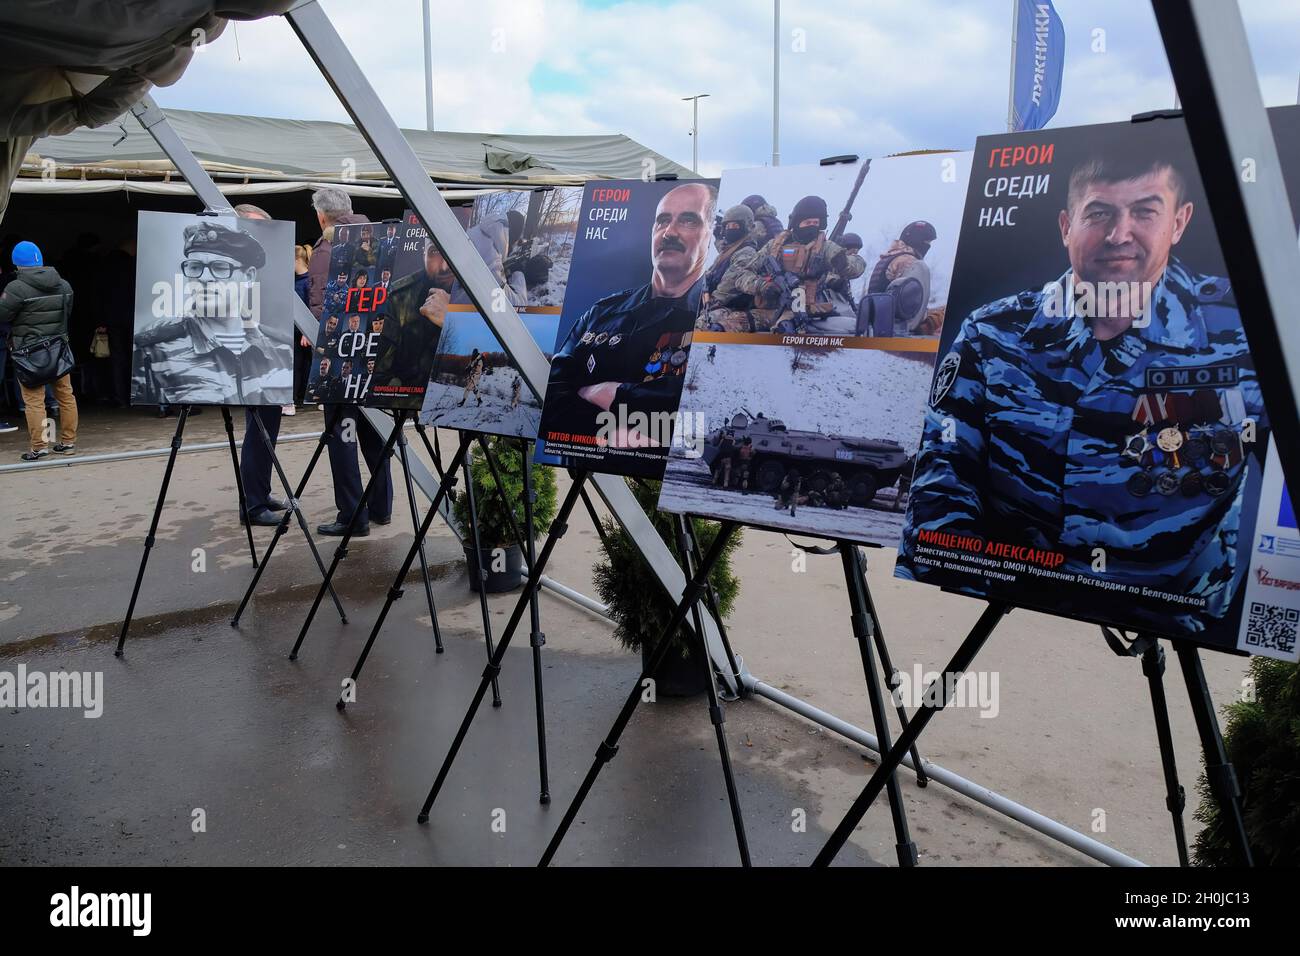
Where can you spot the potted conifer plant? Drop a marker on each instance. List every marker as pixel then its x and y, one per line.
pixel 638 605
pixel 499 552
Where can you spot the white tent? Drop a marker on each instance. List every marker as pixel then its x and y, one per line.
pixel 261 149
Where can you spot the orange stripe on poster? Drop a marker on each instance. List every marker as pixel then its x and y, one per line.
pixel 883 344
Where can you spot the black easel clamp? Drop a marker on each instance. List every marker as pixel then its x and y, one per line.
pixel 558 529
pixel 536 639
pixel 606 751
pixel 716 715
pixel 395 593
pixel 491 671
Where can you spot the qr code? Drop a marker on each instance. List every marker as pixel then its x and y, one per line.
pixel 1272 627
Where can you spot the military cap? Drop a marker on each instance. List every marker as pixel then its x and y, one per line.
pixel 224 240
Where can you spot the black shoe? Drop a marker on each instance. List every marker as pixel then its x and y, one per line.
pixel 62 449
pixel 5 428
pixel 35 455
pixel 275 504
pixel 262 517
pixel 338 529
pixel 387 519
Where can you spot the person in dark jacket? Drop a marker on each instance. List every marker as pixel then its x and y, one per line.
pixel 334 208
pixel 36 305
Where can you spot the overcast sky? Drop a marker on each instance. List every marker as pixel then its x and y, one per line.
pixel 857 76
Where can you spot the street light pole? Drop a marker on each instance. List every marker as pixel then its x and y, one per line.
pixel 428 69
pixel 695 129
pixel 776 82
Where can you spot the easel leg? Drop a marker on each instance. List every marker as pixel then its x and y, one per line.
pixel 153 526
pixel 482 572
pixel 889 762
pixel 239 480
pixel 558 527
pixel 282 528
pixel 609 746
pixel 1153 667
pixel 296 510
pixel 402 454
pixel 341 551
pixel 435 453
pixel 711 600
pixel 892 679
pixel 535 638
pixel 716 714
pixel 863 631
pixel 1218 771
pixel 444 489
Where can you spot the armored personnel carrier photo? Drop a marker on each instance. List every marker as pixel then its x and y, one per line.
pixel 865 464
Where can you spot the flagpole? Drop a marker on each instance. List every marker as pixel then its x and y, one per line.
pixel 1011 82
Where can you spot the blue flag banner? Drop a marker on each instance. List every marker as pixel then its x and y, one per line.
pixel 1040 61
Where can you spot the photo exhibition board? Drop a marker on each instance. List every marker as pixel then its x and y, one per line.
pixel 815 345
pixel 213 311
pixel 626 325
pixel 526 238
pixel 380 325
pixel 1095 443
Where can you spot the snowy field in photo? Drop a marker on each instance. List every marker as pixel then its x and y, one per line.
pixel 858 393
pixel 494 416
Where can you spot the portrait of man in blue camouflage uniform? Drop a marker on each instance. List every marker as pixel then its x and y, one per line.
pixel 216 353
pixel 1118 434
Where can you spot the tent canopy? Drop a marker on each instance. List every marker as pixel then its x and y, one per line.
pixel 265 148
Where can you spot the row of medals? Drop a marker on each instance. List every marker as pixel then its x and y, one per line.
pixel 1174 449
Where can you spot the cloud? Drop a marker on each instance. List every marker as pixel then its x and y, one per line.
pixel 859 76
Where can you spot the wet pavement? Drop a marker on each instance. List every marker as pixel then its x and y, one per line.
pixel 203 717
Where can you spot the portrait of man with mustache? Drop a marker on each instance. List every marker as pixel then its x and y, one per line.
pixel 627 353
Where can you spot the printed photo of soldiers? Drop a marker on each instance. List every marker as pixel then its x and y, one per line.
pixel 896 300
pixel 1126 427
pixel 225 332
pixel 415 309
pixel 799 280
pixel 803 405
pixel 626 353
pixel 367 332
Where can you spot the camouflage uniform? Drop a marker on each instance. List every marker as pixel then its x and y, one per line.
pixel 1066 443
pixel 472 379
pixel 178 362
pixel 819 262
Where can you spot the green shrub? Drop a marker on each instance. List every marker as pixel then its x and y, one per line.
pixel 493 523
pixel 636 601
pixel 1262 737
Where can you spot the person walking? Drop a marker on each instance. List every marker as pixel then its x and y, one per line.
pixel 36 305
